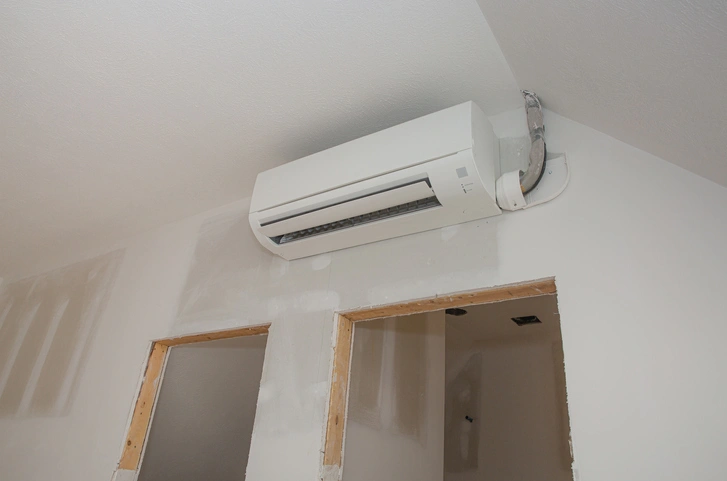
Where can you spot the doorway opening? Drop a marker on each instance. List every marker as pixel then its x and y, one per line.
pixel 459 389
pixel 194 415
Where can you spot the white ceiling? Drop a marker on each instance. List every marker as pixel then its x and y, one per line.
pixel 119 116
pixel 651 73
pixel 493 322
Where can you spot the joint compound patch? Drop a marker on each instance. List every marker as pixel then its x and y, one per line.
pixel 449 232
pixel 330 472
pixel 321 262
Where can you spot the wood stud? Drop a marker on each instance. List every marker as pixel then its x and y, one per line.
pixel 141 418
pixel 335 428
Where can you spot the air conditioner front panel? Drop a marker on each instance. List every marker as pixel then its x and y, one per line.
pixel 339 210
pixel 415 142
pixel 459 190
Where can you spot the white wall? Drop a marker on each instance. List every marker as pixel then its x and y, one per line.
pixel 204 415
pixel 509 380
pixel 395 427
pixel 637 248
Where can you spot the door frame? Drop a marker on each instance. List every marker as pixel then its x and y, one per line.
pixel 138 430
pixel 333 448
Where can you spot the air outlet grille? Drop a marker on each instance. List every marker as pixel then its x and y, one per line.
pixel 381 214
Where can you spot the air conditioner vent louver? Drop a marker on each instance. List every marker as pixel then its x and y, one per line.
pixel 378 215
pixel 425 174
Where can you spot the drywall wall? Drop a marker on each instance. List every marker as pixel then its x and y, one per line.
pixel 46 324
pixel 637 248
pixel 509 381
pixel 395 428
pixel 204 415
pixel 518 420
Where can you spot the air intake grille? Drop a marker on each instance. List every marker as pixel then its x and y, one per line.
pixel 382 214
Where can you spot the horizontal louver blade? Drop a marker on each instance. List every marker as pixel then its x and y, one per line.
pixel 382 214
pixel 349 209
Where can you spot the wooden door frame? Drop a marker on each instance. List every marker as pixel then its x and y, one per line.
pixel 137 432
pixel 338 401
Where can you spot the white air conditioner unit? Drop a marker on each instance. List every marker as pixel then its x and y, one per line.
pixel 427 173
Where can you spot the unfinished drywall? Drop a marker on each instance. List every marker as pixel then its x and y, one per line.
pixel 636 246
pixel 46 324
pixel 395 426
pixel 506 415
pixel 204 416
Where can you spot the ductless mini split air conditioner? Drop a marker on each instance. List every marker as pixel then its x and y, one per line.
pixel 431 172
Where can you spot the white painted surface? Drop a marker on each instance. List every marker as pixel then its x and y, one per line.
pixel 519 423
pixel 399 437
pixel 636 245
pixel 46 322
pixel 455 150
pixel 119 117
pixel 649 73
pixel 204 416
pixel 514 375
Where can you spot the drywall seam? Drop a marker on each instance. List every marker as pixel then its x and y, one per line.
pixel 42 355
pixel 18 342
pixel 89 319
pixel 6 311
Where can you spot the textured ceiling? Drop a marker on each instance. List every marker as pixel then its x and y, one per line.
pixel 119 116
pixel 651 72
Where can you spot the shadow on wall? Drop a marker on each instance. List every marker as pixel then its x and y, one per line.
pixel 46 325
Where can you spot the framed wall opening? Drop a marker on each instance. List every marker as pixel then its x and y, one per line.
pixel 216 370
pixel 420 394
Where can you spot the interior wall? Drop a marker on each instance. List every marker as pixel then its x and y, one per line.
pixel 203 419
pixel 637 249
pixel 506 415
pixel 395 426
pixel 47 322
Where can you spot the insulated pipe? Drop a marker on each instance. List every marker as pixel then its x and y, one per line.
pixel 530 178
